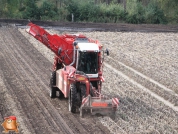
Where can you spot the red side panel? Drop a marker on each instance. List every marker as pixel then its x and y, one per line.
pixel 62 81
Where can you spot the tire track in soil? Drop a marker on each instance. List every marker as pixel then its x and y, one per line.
pixel 143 88
pixel 8 74
pixel 135 104
pixel 16 85
pixel 37 102
pixel 167 94
pixel 28 66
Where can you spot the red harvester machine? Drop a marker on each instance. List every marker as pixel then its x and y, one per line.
pixel 77 71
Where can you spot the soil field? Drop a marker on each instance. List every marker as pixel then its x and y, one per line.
pixel 141 70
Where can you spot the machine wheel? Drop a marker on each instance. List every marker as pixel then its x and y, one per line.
pixel 72 98
pixel 91 91
pixel 52 84
pixel 61 95
pixel 82 93
pixel 58 66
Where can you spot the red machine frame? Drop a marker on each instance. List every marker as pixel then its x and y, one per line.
pixel 65 47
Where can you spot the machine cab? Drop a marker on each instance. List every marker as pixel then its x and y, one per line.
pixel 87 59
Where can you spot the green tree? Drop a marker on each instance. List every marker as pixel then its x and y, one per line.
pixel 154 14
pixel 135 12
pixel 73 8
pixel 48 11
pixel 31 11
pixel 169 7
pixel 3 8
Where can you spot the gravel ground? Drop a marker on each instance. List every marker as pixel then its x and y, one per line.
pixel 152 54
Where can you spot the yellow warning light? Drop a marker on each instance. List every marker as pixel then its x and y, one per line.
pixel 80 78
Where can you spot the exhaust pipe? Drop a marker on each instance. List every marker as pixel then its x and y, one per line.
pixel 75 44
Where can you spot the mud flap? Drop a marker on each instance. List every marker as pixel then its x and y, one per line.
pixel 99 105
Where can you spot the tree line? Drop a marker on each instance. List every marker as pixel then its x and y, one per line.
pixel 104 11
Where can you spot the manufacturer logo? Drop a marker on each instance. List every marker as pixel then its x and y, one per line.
pixel 10 124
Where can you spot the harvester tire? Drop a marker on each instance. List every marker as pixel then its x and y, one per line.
pixel 73 98
pixel 91 90
pixel 52 84
pixel 61 95
pixel 83 91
